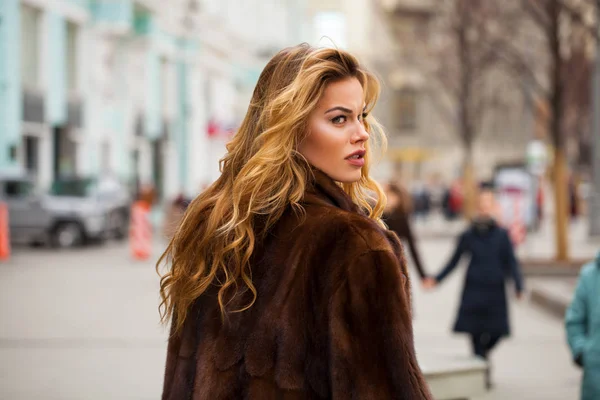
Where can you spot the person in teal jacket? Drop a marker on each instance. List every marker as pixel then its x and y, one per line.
pixel 582 322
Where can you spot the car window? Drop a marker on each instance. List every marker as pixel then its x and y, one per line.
pixel 72 187
pixel 18 188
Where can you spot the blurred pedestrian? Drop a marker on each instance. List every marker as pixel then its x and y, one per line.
pixel 436 190
pixel 582 322
pixel 280 286
pixel 421 200
pixel 483 311
pixel 147 194
pixel 174 214
pixel 573 199
pixel 539 205
pixel 453 200
pixel 397 218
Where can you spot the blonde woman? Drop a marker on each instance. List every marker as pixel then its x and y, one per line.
pixel 283 282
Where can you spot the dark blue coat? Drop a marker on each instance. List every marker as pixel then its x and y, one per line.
pixel 483 308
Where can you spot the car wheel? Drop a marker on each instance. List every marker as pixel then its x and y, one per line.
pixel 67 235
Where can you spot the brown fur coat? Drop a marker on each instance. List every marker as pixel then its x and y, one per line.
pixel 332 319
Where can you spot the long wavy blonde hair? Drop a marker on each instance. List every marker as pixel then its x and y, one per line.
pixel 262 174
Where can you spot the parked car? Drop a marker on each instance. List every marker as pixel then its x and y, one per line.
pixel 74 211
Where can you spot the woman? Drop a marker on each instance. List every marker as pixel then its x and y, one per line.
pixel 483 312
pixel 582 321
pixel 281 286
pixel 396 216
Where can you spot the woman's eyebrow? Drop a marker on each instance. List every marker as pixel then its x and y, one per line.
pixel 339 108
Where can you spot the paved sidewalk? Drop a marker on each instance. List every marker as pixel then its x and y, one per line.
pixel 80 325
pixel 83 325
pixel 541 245
pixel 553 294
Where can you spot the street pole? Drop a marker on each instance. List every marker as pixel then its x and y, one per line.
pixel 595 200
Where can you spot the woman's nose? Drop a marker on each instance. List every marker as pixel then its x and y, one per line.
pixel 360 134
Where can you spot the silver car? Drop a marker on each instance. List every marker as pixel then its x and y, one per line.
pixel 74 211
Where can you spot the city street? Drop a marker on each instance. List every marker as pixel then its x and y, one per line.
pixel 111 108
pixel 84 325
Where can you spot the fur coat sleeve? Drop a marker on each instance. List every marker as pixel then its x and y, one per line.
pixel 372 351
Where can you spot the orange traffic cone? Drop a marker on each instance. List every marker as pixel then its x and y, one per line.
pixel 4 233
pixel 140 236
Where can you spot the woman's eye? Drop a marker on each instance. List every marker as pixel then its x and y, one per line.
pixel 339 120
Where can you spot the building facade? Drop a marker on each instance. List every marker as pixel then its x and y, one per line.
pixel 423 117
pixel 146 93
pixel 398 40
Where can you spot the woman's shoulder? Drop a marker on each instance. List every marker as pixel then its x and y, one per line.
pixel 357 249
pixel 355 231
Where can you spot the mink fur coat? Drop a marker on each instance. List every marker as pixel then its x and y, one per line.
pixel 332 319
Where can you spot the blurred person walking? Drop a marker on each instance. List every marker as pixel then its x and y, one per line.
pixel 283 280
pixel 483 311
pixel 147 194
pixel 453 200
pixel 436 190
pixel 582 321
pixel 174 214
pixel 421 201
pixel 397 217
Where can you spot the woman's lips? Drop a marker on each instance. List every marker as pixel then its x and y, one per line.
pixel 357 161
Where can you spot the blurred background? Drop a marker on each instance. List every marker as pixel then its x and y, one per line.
pixel 105 103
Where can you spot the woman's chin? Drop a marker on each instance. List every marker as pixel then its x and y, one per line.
pixel 349 178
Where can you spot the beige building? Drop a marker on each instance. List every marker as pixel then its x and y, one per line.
pixel 422 115
pixel 404 41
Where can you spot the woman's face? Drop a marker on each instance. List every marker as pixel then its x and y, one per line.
pixel 336 132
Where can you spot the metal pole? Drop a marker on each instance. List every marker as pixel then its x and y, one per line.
pixel 595 199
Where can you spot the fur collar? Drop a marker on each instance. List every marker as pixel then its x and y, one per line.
pixel 325 191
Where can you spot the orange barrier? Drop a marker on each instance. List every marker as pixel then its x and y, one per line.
pixel 140 233
pixel 4 233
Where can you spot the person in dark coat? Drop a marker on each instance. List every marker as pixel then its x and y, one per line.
pixel 282 281
pixel 483 311
pixel 396 216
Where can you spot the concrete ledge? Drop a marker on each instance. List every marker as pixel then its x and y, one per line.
pixel 551 298
pixel 549 267
pixel 454 378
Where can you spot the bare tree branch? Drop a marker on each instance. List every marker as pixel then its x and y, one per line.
pixel 578 17
pixel 538 10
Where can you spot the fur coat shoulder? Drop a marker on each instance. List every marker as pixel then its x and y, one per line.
pixel 332 319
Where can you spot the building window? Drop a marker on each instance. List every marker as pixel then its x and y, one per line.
pixel 30 45
pixel 13 152
pixel 72 56
pixel 406 109
pixel 31 154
